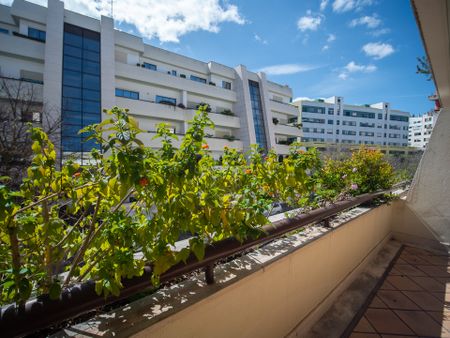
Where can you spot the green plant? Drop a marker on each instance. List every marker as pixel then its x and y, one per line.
pixel 227 112
pixel 74 224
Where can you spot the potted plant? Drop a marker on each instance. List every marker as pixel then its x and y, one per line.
pixel 182 76
pixel 227 112
pixel 275 121
pixel 207 108
pixel 182 106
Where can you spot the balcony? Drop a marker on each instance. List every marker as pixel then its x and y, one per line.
pixel 134 73
pixel 215 144
pixel 151 109
pixel 24 47
pixel 287 129
pixel 285 108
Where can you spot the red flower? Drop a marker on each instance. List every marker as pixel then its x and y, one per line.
pixel 143 181
pixel 205 146
pixel 248 171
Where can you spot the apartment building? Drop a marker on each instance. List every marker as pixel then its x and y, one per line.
pixel 83 64
pixel 420 128
pixel 333 121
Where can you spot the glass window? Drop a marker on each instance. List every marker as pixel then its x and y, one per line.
pixel 149 66
pixel 91 107
pixel 36 34
pixel 127 94
pixel 71 92
pixel 71 117
pixel 70 130
pixel 197 79
pixel 91 67
pixel 330 111
pixel 92 45
pixel 4 31
pixel 72 63
pixel 91 81
pixel 330 121
pixel 92 56
pixel 71 78
pixel 71 143
pixel 72 104
pixel 174 72
pixel 89 119
pixel 165 100
pixel 258 117
pixel 73 39
pixel 89 94
pixel 226 85
pixel 72 51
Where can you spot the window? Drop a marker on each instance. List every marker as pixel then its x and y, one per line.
pixel 312 120
pixel 349 132
pixel 4 31
pixel 166 100
pixel 380 116
pixel 197 79
pixel 349 123
pixel 81 99
pixel 330 111
pixel 399 118
pixel 359 114
pixel 366 133
pixel 257 112
pixel 226 85
pixel 330 121
pixel 310 109
pixel 36 34
pixel 149 66
pixel 367 125
pixel 127 94
pixel 173 72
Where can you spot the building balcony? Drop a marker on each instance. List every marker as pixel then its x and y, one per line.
pixel 134 73
pixel 285 108
pixel 150 109
pixel 287 129
pixel 26 48
pixel 27 90
pixel 215 144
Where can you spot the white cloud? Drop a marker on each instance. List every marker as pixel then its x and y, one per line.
pixel 325 47
pixel 331 37
pixel 341 6
pixel 260 39
pixel 309 22
pixel 378 50
pixel 380 31
pixel 286 69
pixel 353 67
pixel 323 5
pixel 166 20
pixel 369 21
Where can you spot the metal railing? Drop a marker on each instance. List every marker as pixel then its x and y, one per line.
pixel 43 312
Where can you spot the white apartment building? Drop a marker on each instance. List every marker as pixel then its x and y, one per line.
pixel 333 121
pixel 420 128
pixel 83 64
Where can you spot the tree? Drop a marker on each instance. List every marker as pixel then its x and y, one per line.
pixel 423 67
pixel 21 107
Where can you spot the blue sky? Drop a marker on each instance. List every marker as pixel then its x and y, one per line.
pixel 364 50
pixel 325 58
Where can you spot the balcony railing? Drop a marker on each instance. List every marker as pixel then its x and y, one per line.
pixel 43 312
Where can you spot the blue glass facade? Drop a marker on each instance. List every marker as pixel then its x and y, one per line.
pixel 81 103
pixel 258 117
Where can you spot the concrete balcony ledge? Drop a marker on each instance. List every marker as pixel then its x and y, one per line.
pixel 285 108
pixel 270 292
pixel 284 129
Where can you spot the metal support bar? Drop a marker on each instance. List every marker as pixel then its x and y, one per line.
pixel 209 274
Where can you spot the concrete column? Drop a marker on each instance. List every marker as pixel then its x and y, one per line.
pixel 107 63
pixel 429 195
pixel 184 98
pixel 267 113
pixel 52 91
pixel 243 108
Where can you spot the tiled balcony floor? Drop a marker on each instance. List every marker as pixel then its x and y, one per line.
pixel 413 301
